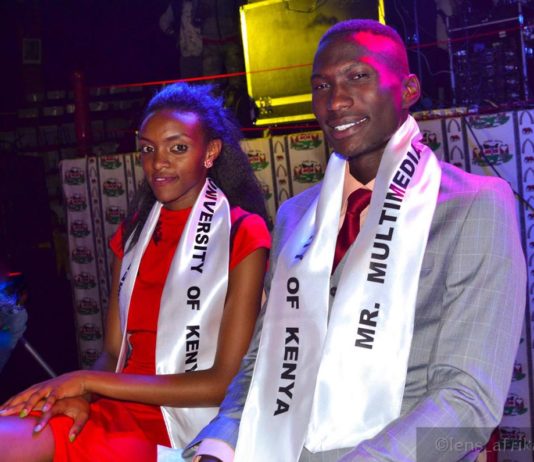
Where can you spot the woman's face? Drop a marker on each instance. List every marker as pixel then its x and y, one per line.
pixel 173 149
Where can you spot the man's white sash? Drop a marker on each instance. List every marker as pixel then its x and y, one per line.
pixel 192 301
pixel 332 381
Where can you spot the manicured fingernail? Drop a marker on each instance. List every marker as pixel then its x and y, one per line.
pixel 23 413
pixel 72 437
pixel 37 428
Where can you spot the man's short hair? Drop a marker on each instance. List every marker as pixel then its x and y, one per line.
pixel 399 60
pixel 363 25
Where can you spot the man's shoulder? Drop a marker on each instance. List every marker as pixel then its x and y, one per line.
pixel 470 195
pixel 455 181
pixel 301 200
pixel 293 209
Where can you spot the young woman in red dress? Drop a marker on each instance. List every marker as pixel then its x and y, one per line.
pixel 186 290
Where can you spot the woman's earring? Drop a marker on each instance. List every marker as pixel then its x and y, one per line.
pixel 208 163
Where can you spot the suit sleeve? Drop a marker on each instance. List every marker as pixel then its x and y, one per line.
pixel 472 355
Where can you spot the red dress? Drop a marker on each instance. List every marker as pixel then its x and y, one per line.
pixel 119 430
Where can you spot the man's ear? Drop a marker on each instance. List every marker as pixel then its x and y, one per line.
pixel 411 91
pixel 213 150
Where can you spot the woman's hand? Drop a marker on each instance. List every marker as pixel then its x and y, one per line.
pixel 43 395
pixel 77 409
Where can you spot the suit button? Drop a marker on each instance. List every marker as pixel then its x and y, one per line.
pixel 333 291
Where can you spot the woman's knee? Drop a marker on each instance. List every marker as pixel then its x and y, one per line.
pixel 18 441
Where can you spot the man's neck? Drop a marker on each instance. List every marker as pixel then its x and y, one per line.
pixel 365 168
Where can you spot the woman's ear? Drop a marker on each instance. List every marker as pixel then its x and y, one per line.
pixel 212 152
pixel 411 91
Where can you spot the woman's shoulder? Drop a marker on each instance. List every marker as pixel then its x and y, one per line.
pixel 247 221
pixel 237 213
pixel 249 232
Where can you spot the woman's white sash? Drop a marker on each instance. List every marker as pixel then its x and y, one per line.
pixel 192 301
pixel 333 380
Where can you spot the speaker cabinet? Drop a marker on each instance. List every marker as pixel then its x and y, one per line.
pixel 280 38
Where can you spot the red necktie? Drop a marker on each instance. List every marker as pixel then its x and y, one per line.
pixel 356 204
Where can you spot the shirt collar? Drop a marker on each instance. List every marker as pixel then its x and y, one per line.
pixel 351 184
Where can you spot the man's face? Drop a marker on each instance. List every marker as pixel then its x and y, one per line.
pixel 358 94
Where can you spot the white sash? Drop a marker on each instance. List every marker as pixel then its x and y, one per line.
pixel 192 301
pixel 333 382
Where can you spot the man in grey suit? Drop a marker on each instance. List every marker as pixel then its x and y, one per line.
pixel 404 349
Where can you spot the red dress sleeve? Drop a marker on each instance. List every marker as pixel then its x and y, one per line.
pixel 251 234
pixel 115 243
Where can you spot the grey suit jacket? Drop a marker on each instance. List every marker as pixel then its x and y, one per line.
pixel 469 313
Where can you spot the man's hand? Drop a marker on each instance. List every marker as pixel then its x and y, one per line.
pixel 76 408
